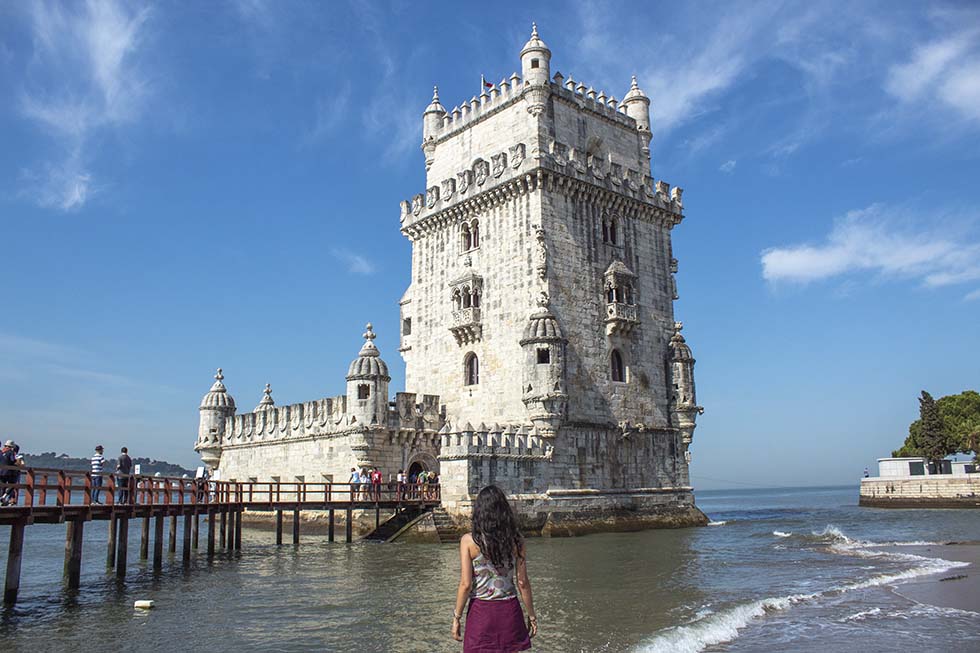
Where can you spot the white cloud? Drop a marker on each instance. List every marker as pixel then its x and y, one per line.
pixel 728 167
pixel 947 69
pixel 972 296
pixel 330 112
pixel 890 243
pixel 356 264
pixel 84 76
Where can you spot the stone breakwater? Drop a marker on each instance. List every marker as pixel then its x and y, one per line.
pixel 943 491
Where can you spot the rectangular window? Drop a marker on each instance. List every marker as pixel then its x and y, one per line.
pixel 534 63
pixel 544 356
pixel 363 391
pixel 407 326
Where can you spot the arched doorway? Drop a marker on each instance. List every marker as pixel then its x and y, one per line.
pixel 415 468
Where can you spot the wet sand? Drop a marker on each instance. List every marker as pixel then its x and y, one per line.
pixel 956 588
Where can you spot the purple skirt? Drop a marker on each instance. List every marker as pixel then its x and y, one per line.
pixel 495 627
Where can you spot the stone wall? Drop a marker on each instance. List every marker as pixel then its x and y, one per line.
pixel 942 491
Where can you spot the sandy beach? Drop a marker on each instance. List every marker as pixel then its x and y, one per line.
pixel 957 588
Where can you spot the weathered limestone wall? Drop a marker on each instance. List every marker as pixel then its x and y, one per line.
pixel 942 491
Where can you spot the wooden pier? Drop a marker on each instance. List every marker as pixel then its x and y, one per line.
pixel 52 496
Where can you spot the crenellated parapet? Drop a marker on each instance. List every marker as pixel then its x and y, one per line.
pixel 514 441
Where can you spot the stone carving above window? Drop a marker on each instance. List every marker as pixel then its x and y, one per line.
pixel 481 170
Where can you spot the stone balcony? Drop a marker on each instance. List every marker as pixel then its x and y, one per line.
pixel 620 318
pixel 466 326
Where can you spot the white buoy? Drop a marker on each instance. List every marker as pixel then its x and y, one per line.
pixel 143 605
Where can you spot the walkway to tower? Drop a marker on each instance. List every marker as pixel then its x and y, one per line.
pixel 52 496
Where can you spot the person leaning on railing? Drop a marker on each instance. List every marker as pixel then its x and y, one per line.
pixel 10 477
pixel 124 468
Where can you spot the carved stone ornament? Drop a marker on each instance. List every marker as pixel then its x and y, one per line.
pixel 465 180
pixel 560 153
pixel 431 196
pixel 448 188
pixel 499 163
pixel 517 153
pixel 417 204
pixel 481 170
pixel 541 253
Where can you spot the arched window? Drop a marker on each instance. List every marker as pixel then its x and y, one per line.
pixel 605 231
pixel 628 294
pixel 610 294
pixel 474 234
pixel 467 297
pixel 457 300
pixel 467 242
pixel 476 298
pixel 612 231
pixel 616 365
pixel 471 369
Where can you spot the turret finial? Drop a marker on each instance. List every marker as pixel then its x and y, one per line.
pixel 634 84
pixel 369 334
pixel 678 326
pixel 268 389
pixel 534 30
pixel 435 91
pixel 219 376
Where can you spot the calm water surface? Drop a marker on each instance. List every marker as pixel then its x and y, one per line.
pixel 786 570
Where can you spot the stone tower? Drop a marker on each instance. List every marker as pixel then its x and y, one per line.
pixel 541 300
pixel 216 406
pixel 367 384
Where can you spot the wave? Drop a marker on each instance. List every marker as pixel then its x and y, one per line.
pixel 724 626
pixel 781 534
pixel 717 523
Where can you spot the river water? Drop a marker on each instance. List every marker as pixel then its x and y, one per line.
pixel 779 570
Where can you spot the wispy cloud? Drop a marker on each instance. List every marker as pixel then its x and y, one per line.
pixel 972 296
pixel 886 242
pixel 329 114
pixel 84 76
pixel 728 167
pixel 356 264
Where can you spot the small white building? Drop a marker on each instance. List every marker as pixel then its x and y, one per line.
pixel 919 466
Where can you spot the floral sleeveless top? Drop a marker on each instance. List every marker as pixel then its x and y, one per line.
pixel 489 584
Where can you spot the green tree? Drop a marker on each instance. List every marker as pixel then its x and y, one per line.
pixel 961 417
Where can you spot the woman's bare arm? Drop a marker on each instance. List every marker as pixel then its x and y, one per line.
pixel 524 588
pixel 465 583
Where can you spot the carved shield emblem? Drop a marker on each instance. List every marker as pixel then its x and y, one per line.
pixel 448 188
pixel 431 196
pixel 465 180
pixel 481 170
pixel 417 204
pixel 499 163
pixel 517 155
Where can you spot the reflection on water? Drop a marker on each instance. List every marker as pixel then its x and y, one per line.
pixel 610 592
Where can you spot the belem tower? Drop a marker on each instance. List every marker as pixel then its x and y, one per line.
pixel 537 329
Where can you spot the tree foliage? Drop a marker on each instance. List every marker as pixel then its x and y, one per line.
pixel 959 431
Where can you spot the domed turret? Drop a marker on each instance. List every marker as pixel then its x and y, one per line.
pixel 216 406
pixel 536 67
pixel 685 409
pixel 638 108
pixel 267 401
pixel 431 123
pixel 367 384
pixel 544 393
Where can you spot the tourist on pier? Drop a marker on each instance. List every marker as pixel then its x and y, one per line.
pixel 8 458
pixel 98 465
pixel 433 485
pixel 490 557
pixel 124 467
pixel 420 485
pixel 401 484
pixel 355 483
pixel 376 479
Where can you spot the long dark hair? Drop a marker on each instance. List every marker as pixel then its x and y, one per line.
pixel 495 527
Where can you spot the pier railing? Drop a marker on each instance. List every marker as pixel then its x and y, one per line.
pixel 43 489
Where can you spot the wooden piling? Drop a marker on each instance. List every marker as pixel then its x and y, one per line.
pixel 14 556
pixel 350 525
pixel 73 553
pixel 296 525
pixel 238 530
pixel 173 534
pixel 196 531
pixel 158 542
pixel 278 527
pixel 211 516
pixel 330 526
pixel 110 556
pixel 145 539
pixel 188 525
pixel 122 546
pixel 224 527
pixel 377 517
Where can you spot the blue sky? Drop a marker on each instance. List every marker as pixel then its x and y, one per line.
pixel 188 185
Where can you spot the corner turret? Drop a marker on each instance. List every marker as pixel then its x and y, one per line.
pixel 216 405
pixel 267 401
pixel 544 394
pixel 367 384
pixel 685 404
pixel 536 68
pixel 637 106
pixel 431 122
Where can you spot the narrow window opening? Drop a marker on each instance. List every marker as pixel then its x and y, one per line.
pixel 467 298
pixel 475 234
pixel 407 326
pixel 605 232
pixel 363 391
pixel 616 363
pixel 471 367
pixel 476 299
pixel 534 63
pixel 544 356
pixel 612 232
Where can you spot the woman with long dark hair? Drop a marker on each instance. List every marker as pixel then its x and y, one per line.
pixel 490 557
